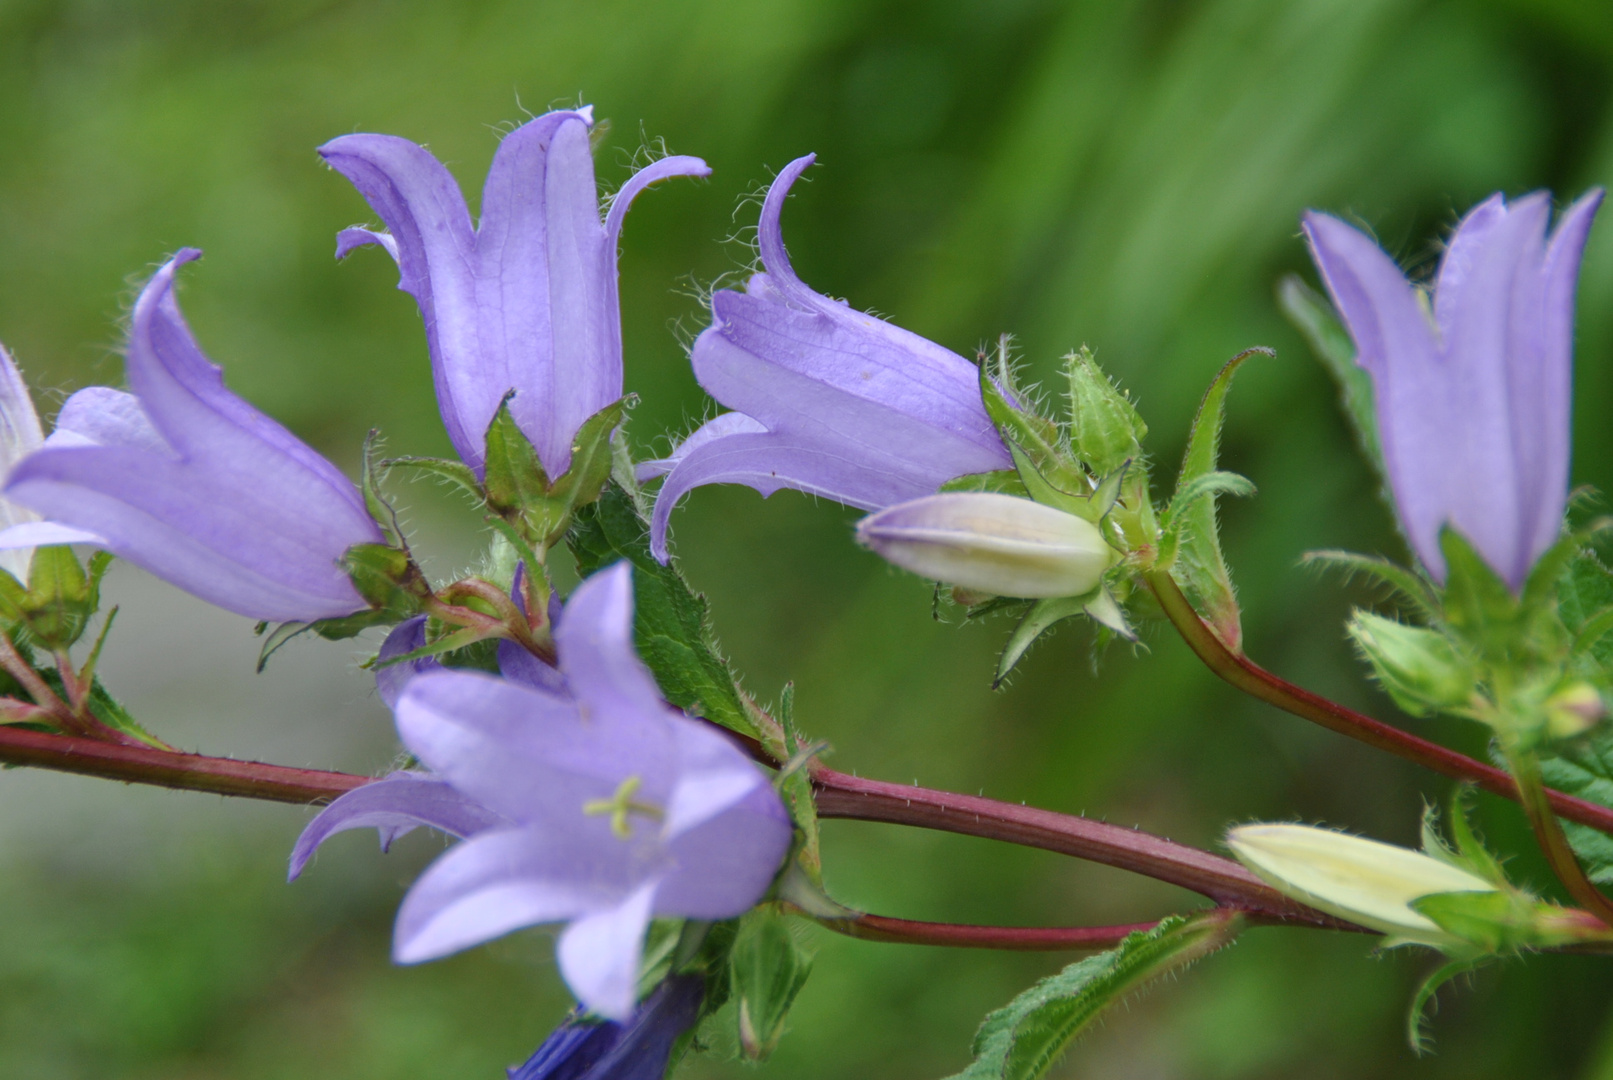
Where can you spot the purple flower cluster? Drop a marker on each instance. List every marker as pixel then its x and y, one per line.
pixel 585 800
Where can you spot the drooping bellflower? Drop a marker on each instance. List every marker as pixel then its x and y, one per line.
pixel 826 399
pixel 601 806
pixel 638 1049
pixel 524 301
pixel 187 480
pixel 1472 391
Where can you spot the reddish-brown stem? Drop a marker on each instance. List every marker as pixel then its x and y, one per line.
pixel 840 795
pixel 964 936
pixel 1254 680
pixel 1549 834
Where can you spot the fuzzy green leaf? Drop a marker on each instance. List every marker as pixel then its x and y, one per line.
pixel 671 627
pixel 1025 1038
pixel 1584 767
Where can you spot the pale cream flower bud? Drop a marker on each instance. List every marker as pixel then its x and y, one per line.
pixel 990 543
pixel 1365 881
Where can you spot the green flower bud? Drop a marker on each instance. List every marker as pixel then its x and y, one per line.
pixel 990 543
pixel 1367 882
pixel 1418 667
pixel 1104 425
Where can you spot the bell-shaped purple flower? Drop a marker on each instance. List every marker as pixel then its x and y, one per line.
pixel 526 301
pixel 187 480
pixel 593 803
pixel 638 1049
pixel 1473 391
pixel 826 399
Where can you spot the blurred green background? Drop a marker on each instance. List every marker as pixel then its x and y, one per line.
pixel 1128 175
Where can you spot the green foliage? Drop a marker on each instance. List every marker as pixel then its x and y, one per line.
pixel 768 968
pixel 1041 455
pixel 1002 481
pixel 1026 1037
pixel 1191 546
pixel 1104 425
pixel 1409 585
pixel 513 475
pixel 671 627
pixel 61 597
pixel 1584 767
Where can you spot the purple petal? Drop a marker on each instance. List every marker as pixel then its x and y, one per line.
pixel 713 774
pixel 394 806
pixel 20 435
pixel 102 416
pixel 595 642
pixel 725 864
pixel 507 879
pixel 599 954
pixel 245 516
pixel 349 239
pixel 526 753
pixel 718 427
pixel 404 638
pixel 854 408
pixel 520 666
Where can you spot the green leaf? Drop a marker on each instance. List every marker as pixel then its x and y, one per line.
pixel 375 503
pixel 1319 324
pixel 1025 1038
pixel 1199 566
pixel 768 968
pixel 513 476
pixel 671 626
pixel 795 784
pixel 1002 482
pixel 1584 767
pixel 1477 603
pixel 1407 584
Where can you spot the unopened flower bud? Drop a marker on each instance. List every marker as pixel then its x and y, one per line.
pixel 1418 667
pixel 1367 882
pixel 1573 710
pixel 990 543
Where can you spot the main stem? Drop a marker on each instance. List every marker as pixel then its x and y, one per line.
pixel 838 795
pixel 1252 679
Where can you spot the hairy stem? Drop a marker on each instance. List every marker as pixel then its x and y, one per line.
pixel 1256 681
pixel 965 936
pixel 838 795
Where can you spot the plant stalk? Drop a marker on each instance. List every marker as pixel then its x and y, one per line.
pixel 1525 767
pixel 1254 680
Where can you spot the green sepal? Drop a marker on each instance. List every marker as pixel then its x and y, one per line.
pixel 1199 565
pixel 61 597
pixel 1035 442
pixel 13 598
pixel 513 477
pixel 1477 604
pixel 670 623
pixel 1041 618
pixel 768 968
pixel 794 782
pixel 375 503
pixel 454 473
pixel 518 489
pixel 462 638
pixel 278 638
pixel 1419 668
pixel 1025 1038
pixel 1321 328
pixel 1407 584
pixel 1104 425
pixel 1467 852
pixel 1001 482
pixel 1416 1016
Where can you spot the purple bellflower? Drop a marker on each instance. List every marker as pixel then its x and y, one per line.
pixel 598 805
pixel 526 301
pixel 580 1049
pixel 20 435
pixel 1473 391
pixel 187 480
pixel 827 400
